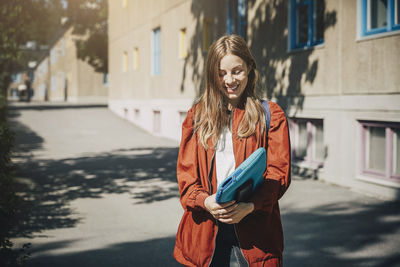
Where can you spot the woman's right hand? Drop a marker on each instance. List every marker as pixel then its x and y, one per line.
pixel 219 210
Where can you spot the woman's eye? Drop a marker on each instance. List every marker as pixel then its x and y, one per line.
pixel 237 71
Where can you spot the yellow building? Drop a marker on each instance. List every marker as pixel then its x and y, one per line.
pixel 332 65
pixel 42 80
pixel 61 76
pixel 156 55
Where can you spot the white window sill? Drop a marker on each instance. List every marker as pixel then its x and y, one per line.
pixel 377 36
pixel 377 181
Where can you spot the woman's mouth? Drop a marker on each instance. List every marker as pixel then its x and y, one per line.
pixel 232 88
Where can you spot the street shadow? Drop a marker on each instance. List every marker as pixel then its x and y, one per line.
pixel 154 252
pixel 339 234
pixel 25 140
pixel 47 186
pixel 343 234
pixel 147 174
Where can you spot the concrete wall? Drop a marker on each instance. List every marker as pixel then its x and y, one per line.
pixel 172 92
pixel 69 78
pixel 346 79
pixel 41 82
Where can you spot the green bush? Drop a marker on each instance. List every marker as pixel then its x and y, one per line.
pixel 9 202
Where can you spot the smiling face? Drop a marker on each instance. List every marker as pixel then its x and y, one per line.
pixel 233 76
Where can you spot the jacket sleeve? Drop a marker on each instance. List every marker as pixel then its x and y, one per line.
pixel 192 193
pixel 277 174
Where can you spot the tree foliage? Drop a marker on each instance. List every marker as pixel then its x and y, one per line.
pixel 89 19
pixel 22 21
pixel 17 21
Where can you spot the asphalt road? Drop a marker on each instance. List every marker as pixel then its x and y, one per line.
pixel 101 192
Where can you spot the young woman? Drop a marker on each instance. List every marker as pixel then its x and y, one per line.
pixel 220 131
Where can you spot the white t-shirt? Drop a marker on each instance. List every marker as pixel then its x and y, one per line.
pixel 224 157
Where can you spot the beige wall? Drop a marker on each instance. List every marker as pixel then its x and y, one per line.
pixel 345 80
pixel 132 27
pixel 41 81
pixel 345 64
pixel 68 78
pixel 369 65
pixel 136 94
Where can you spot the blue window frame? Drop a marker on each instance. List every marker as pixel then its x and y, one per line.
pixel 379 16
pixel 237 17
pixel 156 52
pixel 105 78
pixel 306 23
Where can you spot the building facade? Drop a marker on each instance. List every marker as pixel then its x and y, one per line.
pixel 42 80
pixel 156 55
pixel 62 76
pixel 332 65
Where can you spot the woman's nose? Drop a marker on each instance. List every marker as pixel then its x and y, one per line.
pixel 228 79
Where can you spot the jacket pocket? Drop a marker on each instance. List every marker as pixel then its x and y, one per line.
pixel 195 237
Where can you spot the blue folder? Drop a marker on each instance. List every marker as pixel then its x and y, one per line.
pixel 241 184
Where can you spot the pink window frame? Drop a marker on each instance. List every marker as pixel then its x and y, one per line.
pixel 157 121
pixel 388 174
pixel 310 157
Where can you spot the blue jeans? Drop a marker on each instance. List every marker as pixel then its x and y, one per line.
pixel 227 250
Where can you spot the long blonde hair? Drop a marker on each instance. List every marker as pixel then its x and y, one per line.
pixel 211 117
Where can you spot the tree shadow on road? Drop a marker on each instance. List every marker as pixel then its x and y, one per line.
pixel 147 174
pixel 318 237
pixel 154 252
pixel 25 140
pixel 343 234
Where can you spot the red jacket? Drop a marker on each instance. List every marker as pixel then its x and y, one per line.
pixel 259 233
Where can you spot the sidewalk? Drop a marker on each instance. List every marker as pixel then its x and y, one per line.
pixel 40 105
pixel 328 225
pixel 104 193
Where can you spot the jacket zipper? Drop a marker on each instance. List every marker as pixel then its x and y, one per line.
pixel 210 190
pixel 210 172
pixel 234 226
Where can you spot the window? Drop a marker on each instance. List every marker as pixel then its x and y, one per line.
pixel 136 58
pixel 64 80
pixel 125 62
pixel 307 137
pixel 63 47
pixel 380 150
pixel 237 17
pixel 137 113
pixel 306 23
pixel 156 52
pixel 105 78
pixel 182 44
pixel 54 83
pixel 207 34
pixel 53 55
pixel 16 78
pixel 156 121
pixel 379 16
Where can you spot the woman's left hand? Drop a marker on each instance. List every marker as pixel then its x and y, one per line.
pixel 237 214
